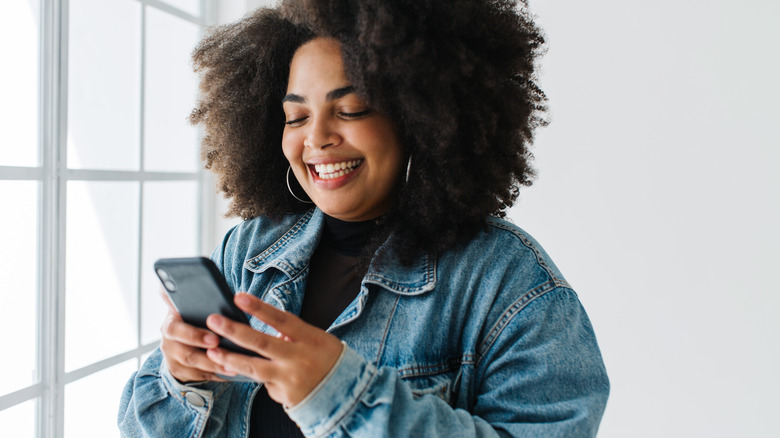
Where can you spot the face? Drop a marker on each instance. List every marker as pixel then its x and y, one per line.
pixel 346 156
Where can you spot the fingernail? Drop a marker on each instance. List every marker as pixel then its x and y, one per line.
pixel 211 339
pixel 215 320
pixel 242 299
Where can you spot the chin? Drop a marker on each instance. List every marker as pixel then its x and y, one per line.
pixel 335 210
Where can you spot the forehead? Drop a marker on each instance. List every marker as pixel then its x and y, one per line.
pixel 317 67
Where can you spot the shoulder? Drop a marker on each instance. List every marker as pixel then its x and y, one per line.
pixel 252 236
pixel 504 249
pixel 500 273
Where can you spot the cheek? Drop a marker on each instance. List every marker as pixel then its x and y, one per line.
pixel 393 151
pixel 291 147
pixel 385 143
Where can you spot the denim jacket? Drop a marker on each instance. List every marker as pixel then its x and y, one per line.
pixel 487 339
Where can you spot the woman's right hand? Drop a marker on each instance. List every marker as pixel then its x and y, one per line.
pixel 184 349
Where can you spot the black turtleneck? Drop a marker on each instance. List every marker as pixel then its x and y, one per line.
pixel 332 284
pixel 348 238
pixel 333 279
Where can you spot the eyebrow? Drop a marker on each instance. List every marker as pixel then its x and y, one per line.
pixel 332 95
pixel 339 92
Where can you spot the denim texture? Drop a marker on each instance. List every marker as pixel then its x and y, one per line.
pixel 487 339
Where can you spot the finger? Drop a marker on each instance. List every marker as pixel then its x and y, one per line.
pixel 190 364
pixel 247 337
pixel 258 369
pixel 188 375
pixel 176 329
pixel 168 301
pixel 286 323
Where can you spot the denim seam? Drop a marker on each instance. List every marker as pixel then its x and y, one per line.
pixel 348 412
pixel 253 262
pixel 248 417
pixel 201 424
pixel 432 370
pixel 173 391
pixel 200 417
pixel 282 286
pixel 222 248
pixel 528 244
pixel 429 278
pixel 515 309
pixel 381 349
pixel 395 287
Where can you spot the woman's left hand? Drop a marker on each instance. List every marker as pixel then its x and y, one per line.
pixel 292 365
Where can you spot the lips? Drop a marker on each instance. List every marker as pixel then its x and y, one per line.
pixel 335 170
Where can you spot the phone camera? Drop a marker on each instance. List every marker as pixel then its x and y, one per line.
pixel 163 275
pixel 170 285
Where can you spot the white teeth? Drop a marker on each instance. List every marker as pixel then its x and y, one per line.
pixel 335 170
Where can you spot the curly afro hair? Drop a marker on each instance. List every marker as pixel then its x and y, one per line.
pixel 457 78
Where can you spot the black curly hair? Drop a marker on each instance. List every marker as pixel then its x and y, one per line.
pixel 457 78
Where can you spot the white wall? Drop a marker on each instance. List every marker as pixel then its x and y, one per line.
pixel 659 198
pixel 231 10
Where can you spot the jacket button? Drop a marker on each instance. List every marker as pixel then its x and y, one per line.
pixel 195 399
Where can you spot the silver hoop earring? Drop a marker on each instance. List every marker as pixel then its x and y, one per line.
pixel 408 169
pixel 289 168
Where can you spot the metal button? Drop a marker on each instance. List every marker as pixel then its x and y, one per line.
pixel 195 399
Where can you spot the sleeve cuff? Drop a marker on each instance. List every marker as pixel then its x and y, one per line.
pixel 336 395
pixel 196 395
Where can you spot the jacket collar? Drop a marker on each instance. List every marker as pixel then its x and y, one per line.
pixel 291 253
pixel 387 271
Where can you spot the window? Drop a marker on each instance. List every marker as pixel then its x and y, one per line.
pixel 99 177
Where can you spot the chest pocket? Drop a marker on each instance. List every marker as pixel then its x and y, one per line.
pixel 439 385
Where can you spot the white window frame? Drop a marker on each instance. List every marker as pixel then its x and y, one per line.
pixel 53 175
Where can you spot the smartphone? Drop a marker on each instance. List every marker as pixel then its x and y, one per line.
pixel 197 290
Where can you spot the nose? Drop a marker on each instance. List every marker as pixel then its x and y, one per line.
pixel 321 135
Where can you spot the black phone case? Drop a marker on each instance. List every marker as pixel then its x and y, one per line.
pixel 198 289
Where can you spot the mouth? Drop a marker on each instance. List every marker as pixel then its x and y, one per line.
pixel 335 170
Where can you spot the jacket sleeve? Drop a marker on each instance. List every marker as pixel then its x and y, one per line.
pixel 154 404
pixel 537 373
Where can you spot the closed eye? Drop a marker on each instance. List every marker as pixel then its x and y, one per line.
pixel 355 115
pixel 296 121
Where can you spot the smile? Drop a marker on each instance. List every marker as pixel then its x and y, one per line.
pixel 336 170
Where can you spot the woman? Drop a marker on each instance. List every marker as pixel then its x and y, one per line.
pixel 385 300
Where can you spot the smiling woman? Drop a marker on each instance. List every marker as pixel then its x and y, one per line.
pixel 386 295
pixel 346 156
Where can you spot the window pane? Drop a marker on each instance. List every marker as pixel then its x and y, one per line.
pixel 170 230
pixel 188 6
pixel 92 403
pixel 19 83
pixel 104 69
pixel 101 271
pixel 18 281
pixel 19 421
pixel 170 143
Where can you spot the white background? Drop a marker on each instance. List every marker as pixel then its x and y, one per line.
pixel 658 196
